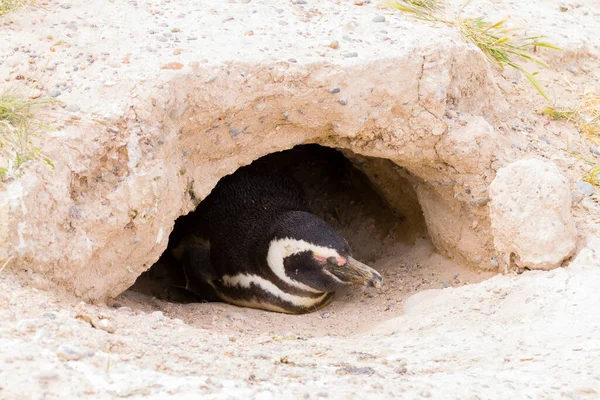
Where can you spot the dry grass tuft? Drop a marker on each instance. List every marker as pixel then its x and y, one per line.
pixel 586 114
pixel 8 6
pixel 18 126
pixel 499 44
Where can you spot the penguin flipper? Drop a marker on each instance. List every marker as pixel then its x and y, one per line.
pixel 199 272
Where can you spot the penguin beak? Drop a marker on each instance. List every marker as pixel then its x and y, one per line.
pixel 354 272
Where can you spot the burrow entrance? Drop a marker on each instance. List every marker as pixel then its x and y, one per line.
pixel 352 194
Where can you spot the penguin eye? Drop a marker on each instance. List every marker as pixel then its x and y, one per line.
pixel 332 261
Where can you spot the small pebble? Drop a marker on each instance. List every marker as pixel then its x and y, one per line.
pixel 585 187
pixel 50 316
pixel 347 38
pixel 158 315
pixel 350 55
pixel 334 44
pixel 595 149
pixel 379 18
pixel 343 102
pixel 300 2
pixel 292 60
pixel 69 352
pixel 104 324
pixel 401 370
pixel 72 108
pixel 55 93
pixel 355 371
pixel 325 315
pixel 573 69
pixel 334 90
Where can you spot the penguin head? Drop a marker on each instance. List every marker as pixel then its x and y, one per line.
pixel 307 253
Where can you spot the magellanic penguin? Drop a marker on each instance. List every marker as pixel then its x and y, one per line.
pixel 267 250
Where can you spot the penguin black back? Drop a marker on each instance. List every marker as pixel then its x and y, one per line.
pixel 267 250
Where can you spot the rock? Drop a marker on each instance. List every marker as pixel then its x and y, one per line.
pixel 585 187
pixel 334 44
pixel 128 179
pixel 72 108
pixel 334 90
pixel 573 69
pixel 379 18
pixel 530 212
pixel 55 93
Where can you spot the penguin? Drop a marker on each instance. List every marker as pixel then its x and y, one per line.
pixel 264 249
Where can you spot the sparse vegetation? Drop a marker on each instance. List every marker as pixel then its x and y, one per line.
pixel 586 115
pixel 499 44
pixel 7 6
pixel 18 126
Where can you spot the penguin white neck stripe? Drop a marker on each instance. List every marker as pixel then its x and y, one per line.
pixel 246 281
pixel 279 249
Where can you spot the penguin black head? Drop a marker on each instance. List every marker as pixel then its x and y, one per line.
pixel 307 253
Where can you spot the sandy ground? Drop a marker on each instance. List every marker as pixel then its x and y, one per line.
pixel 533 335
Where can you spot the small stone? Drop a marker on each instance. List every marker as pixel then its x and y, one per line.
pixel 401 370
pixel 595 149
pixel 334 44
pixel 563 9
pixel 343 102
pixel 158 315
pixel 300 2
pixel 379 18
pixel 355 371
pixel 172 65
pixel 334 90
pixel 211 79
pixel 72 108
pixel 49 316
pixel 350 55
pixel 585 187
pixel 104 324
pixel 573 69
pixel 55 93
pixel 292 60
pixel 325 315
pixel 69 352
